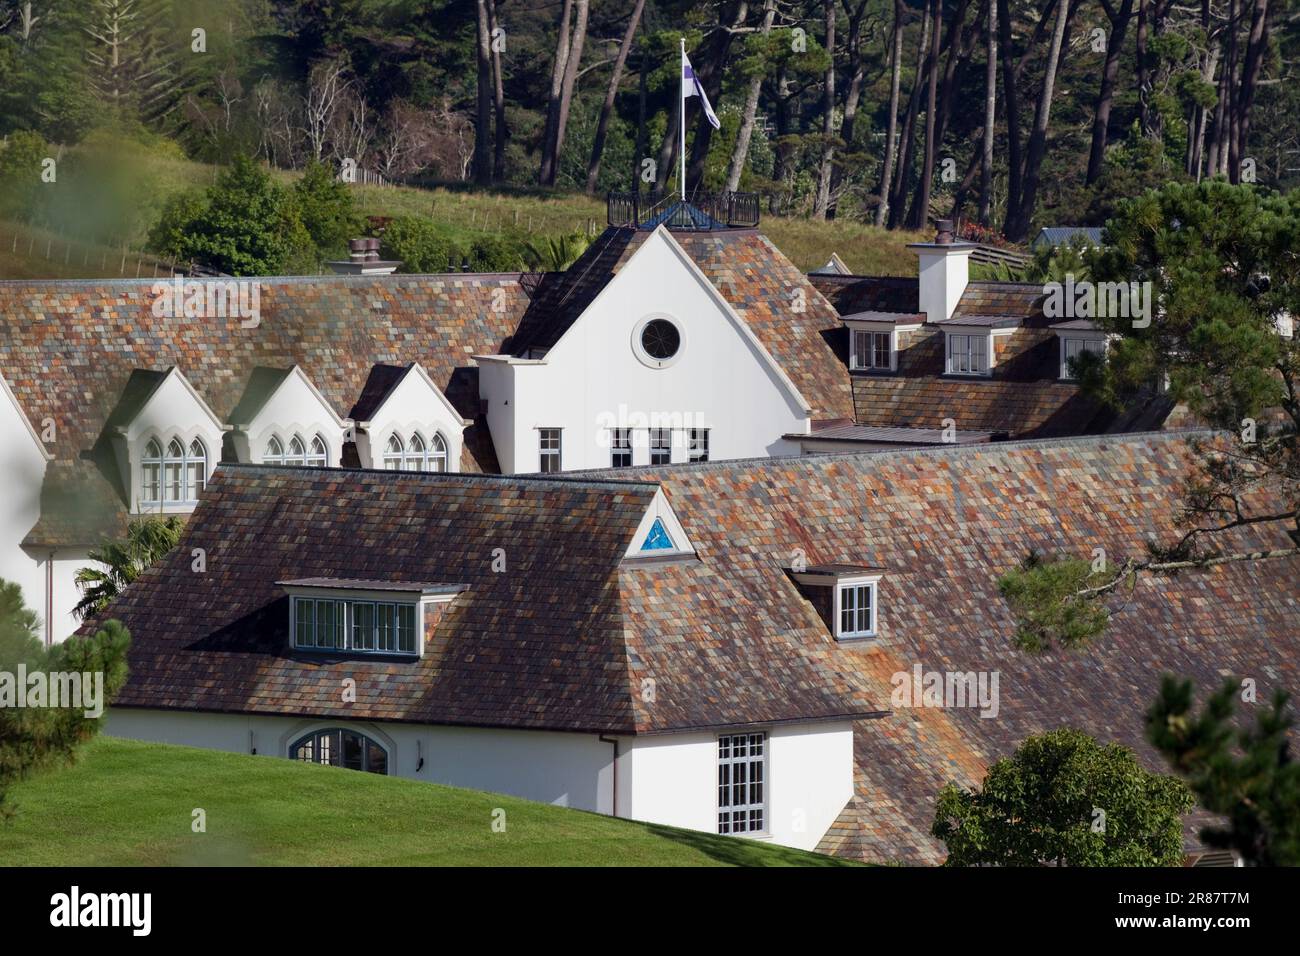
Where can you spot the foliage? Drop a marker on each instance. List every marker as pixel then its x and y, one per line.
pixel 418 244
pixel 1050 602
pixel 1064 799
pixel 20 173
pixel 147 540
pixel 326 208
pixel 555 253
pixel 36 737
pixel 1245 775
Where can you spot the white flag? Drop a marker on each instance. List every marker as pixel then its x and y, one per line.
pixel 691 87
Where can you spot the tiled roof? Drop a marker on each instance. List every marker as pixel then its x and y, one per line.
pixel 946 524
pixel 851 294
pixel 75 352
pixel 550 642
pixel 759 282
pixel 1021 409
pixel 895 436
pixel 1018 299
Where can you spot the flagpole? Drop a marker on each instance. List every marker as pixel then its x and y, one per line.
pixel 682 100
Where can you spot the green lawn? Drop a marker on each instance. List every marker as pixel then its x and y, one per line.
pixel 126 803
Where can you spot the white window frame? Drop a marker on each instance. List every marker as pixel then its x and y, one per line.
pixel 864 356
pixel 180 470
pixel 545 452
pixel 400 612
pixel 960 353
pixel 739 813
pixel 414 453
pixel 1086 343
pixel 872 584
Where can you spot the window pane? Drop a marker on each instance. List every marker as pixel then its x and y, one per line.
pixel 406 628
pixel 363 627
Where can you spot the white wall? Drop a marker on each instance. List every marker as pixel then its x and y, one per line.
pixel 592 378
pixel 22 471
pixel 568 770
pixel 673 779
pixel 172 411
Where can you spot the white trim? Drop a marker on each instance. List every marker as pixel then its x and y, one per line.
pixel 351 596
pixel 418 369
pixel 1089 338
pixel 36 436
pixel 638 348
pixel 873 583
pixel 972 334
pixel 659 508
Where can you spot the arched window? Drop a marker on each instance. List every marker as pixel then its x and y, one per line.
pixel 274 452
pixel 151 467
pixel 297 454
pixel 196 471
pixel 437 454
pixel 394 452
pixel 174 471
pixel 341 748
pixel 414 460
pixel 318 456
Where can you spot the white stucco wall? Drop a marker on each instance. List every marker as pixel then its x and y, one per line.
pixel 669 779
pixel 592 379
pixel 673 779
pixel 567 770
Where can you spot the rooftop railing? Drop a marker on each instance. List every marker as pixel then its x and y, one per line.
pixel 700 213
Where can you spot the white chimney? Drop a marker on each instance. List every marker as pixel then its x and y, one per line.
pixel 944 272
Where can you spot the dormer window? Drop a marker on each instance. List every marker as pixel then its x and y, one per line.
pixel 1076 337
pixel 412 454
pixel 968 354
pixel 845 596
pixel 364 617
pixel 856 610
pixel 313 455
pixel 177 476
pixel 872 351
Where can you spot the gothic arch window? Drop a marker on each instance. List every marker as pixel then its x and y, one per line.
pixel 318 455
pixel 274 452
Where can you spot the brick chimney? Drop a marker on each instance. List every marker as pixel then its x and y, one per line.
pixel 944 272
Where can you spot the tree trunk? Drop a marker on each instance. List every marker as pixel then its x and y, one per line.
pixel 483 113
pixel 566 88
pixel 891 128
pixel 1018 225
pixel 896 208
pixel 852 98
pixel 785 120
pixel 1251 64
pixel 921 201
pixel 824 166
pixel 546 172
pixel 1144 26
pixel 740 152
pixel 1106 95
pixel 602 125
pixel 499 95
pixel 990 116
pixel 639 152
pixel 1011 93
pixel 958 52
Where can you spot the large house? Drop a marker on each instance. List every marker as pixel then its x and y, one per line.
pixel 675 338
pixel 737 646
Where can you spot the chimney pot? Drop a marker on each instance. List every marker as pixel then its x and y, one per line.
pixel 944 237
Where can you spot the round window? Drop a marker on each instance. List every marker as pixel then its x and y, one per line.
pixel 660 339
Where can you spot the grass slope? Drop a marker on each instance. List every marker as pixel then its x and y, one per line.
pixel 465 213
pixel 127 803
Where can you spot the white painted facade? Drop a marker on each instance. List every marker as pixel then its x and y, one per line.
pixel 597 377
pixel 670 779
pixel 414 407
pixel 294 410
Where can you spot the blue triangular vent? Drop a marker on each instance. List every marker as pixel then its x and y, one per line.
pixel 658 538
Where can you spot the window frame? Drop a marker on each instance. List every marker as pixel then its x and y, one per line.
pixel 180 468
pixel 697 444
pixel 545 454
pixel 727 760
pixel 1089 343
pixel 658 434
pixel 403 640
pixel 872 586
pixel 336 735
pixel 620 446
pixel 865 360
pixel 983 338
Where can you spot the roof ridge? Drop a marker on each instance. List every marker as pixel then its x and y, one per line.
pixel 562 480
pixel 982 448
pixel 147 281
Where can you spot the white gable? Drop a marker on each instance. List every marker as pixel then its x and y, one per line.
pixel 659 526
pixel 598 376
pixel 414 406
pixel 295 409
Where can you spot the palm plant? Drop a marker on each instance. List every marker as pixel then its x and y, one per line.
pixel 555 253
pixel 147 540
